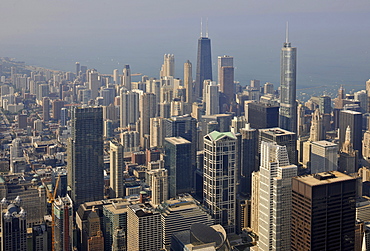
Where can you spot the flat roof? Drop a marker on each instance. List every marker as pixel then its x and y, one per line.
pixel 323 178
pixel 324 143
pixel 276 131
pixel 177 140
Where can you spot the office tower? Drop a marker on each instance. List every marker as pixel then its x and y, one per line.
pixel 256 84
pixel 116 77
pixel 45 109
pixel 249 158
pixel 188 82
pixel 144 228
pixel 56 106
pixel 148 110
pixel 179 214
pixel 177 107
pixel 108 95
pixel 275 197
pixel 78 68
pixel 222 61
pixel 63 218
pixel 13 226
pixel 354 121
pixel 185 127
pixel 63 116
pixel 325 104
pixel 220 178
pixel 282 138
pixel 22 121
pixel 227 84
pixel 115 217
pixel 129 108
pixel 85 155
pixel 94 83
pixel 86 96
pixel 361 96
pixel 204 64
pixel 40 238
pixel 316 130
pixel 323 212
pixel 126 78
pixel 348 157
pixel 255 202
pixel 366 145
pixel 119 240
pixel 116 169
pixel 268 88
pixel 324 156
pixel 168 67
pixel 159 185
pixel 177 161
pixel 260 115
pixel 288 72
pixel 211 97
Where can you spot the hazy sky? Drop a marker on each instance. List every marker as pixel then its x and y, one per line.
pixel 332 37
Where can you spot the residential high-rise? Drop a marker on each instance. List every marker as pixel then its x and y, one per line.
pixel 204 64
pixel 126 78
pixel 324 156
pixel 94 83
pixel 45 109
pixel 63 229
pixel 57 106
pixel 144 228
pixel 129 108
pixel 220 178
pixel 323 212
pixel 188 82
pixel 178 163
pixel 275 197
pixel 85 155
pixel 13 226
pixel 168 67
pixel 159 185
pixel 211 98
pixel 288 72
pixel 148 110
pixel 352 119
pixel 116 170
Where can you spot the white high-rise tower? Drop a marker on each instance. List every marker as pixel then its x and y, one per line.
pixel 275 197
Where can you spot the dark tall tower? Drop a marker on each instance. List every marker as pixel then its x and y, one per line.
pixel 352 119
pixel 288 72
pixel 85 155
pixel 204 64
pixel 323 212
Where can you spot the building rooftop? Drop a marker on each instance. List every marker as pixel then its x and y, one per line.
pixel 215 135
pixel 276 131
pixel 324 143
pixel 177 140
pixel 319 179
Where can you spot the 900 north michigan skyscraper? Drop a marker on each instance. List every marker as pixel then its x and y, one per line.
pixel 288 73
pixel 85 155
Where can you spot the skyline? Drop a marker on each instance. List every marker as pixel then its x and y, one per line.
pixel 331 37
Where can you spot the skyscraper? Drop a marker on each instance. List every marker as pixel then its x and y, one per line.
pixel 45 109
pixel 188 82
pixel 63 229
pixel 129 107
pixel 168 67
pixel 323 212
pixel 116 169
pixel 288 72
pixel 219 181
pixel 221 62
pixel 352 119
pixel 126 78
pixel 275 197
pixel 177 162
pixel 324 156
pixel 85 155
pixel 204 64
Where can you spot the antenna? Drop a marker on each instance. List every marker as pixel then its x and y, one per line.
pixel 207 27
pixel 201 27
pixel 287 33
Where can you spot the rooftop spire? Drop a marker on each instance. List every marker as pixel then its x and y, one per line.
pixel 207 27
pixel 287 33
pixel 201 27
